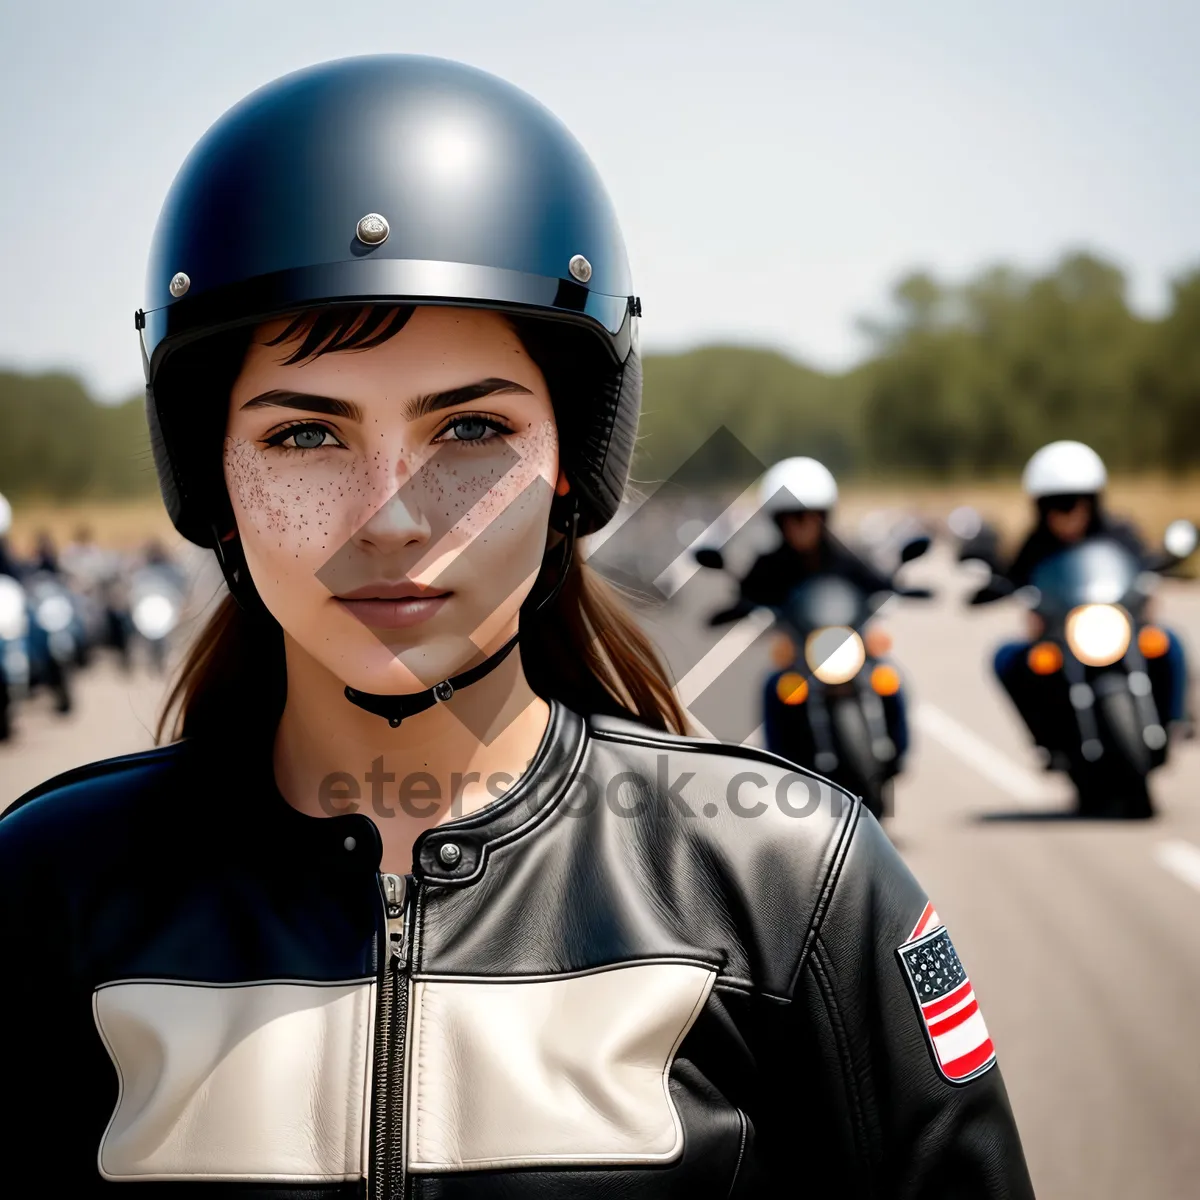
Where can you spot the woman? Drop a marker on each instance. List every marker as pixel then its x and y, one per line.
pixel 431 897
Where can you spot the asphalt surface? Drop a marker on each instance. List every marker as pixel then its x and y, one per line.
pixel 1082 939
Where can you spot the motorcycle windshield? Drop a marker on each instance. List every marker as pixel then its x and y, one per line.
pixel 825 600
pixel 1097 571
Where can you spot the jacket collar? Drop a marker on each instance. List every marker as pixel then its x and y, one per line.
pixel 353 838
pixel 521 809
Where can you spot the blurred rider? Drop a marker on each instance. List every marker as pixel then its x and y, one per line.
pixel 799 495
pixel 45 554
pixel 1066 481
pixel 8 564
pixel 156 556
pixel 83 560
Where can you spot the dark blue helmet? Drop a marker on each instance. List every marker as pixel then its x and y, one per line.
pixel 389 179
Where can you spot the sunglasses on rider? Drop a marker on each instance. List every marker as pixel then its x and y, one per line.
pixel 1060 504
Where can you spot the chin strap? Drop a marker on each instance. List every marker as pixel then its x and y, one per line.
pixel 395 708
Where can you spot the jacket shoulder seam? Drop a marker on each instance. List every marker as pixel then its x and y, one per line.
pixel 754 753
pixel 840 854
pixel 820 974
pixel 666 741
pixel 88 771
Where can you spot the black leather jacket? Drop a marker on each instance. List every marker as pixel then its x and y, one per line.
pixel 774 574
pixel 1041 544
pixel 657 967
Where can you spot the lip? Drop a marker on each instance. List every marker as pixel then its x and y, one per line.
pixel 398 605
pixel 403 589
pixel 394 613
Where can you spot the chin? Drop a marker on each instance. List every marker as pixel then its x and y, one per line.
pixel 385 671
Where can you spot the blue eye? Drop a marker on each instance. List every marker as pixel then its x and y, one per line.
pixel 472 429
pixel 303 437
pixel 309 439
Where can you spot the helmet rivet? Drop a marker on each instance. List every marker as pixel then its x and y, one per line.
pixel 179 284
pixel 373 229
pixel 449 854
pixel 580 268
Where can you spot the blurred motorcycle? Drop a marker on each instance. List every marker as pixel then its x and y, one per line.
pixel 157 594
pixel 56 635
pixel 836 707
pixel 14 650
pixel 978 539
pixel 98 577
pixel 1098 678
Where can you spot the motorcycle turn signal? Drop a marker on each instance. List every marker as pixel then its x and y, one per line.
pixel 1045 659
pixel 1152 642
pixel 885 680
pixel 792 688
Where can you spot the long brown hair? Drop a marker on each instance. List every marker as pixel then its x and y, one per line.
pixel 584 649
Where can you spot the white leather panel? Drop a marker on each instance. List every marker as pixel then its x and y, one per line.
pixel 553 1071
pixel 261 1081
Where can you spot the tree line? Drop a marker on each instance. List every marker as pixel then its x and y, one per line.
pixel 59 444
pixel 963 380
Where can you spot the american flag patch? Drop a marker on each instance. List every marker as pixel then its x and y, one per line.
pixel 953 1023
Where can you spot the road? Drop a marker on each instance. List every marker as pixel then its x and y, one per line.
pixel 1082 940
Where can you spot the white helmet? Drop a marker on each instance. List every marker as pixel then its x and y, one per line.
pixel 1064 469
pixel 5 516
pixel 797 483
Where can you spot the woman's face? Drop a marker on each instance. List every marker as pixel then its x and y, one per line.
pixel 393 503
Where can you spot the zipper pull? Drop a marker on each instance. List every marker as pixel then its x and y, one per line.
pixel 395 896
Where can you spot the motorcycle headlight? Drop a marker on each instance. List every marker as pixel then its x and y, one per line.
pixel 154 616
pixel 1098 634
pixel 14 621
pixel 54 613
pixel 835 654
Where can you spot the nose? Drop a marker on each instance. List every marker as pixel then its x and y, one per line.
pixel 401 521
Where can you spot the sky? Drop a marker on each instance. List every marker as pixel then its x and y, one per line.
pixel 776 166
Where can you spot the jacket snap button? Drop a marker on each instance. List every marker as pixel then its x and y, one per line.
pixel 350 843
pixel 449 854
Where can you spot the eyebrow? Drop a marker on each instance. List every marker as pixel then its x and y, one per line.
pixel 421 406
pixel 306 402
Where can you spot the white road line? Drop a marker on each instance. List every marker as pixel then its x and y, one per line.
pixel 1022 785
pixel 1181 858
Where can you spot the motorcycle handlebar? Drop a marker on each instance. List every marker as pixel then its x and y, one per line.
pixel 997 588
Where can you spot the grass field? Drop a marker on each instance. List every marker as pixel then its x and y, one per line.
pixel 1152 502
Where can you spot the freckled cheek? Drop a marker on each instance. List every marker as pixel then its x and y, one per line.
pixel 476 495
pixel 295 507
pixel 539 450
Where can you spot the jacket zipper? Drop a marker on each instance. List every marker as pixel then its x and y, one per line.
pixel 387 1168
